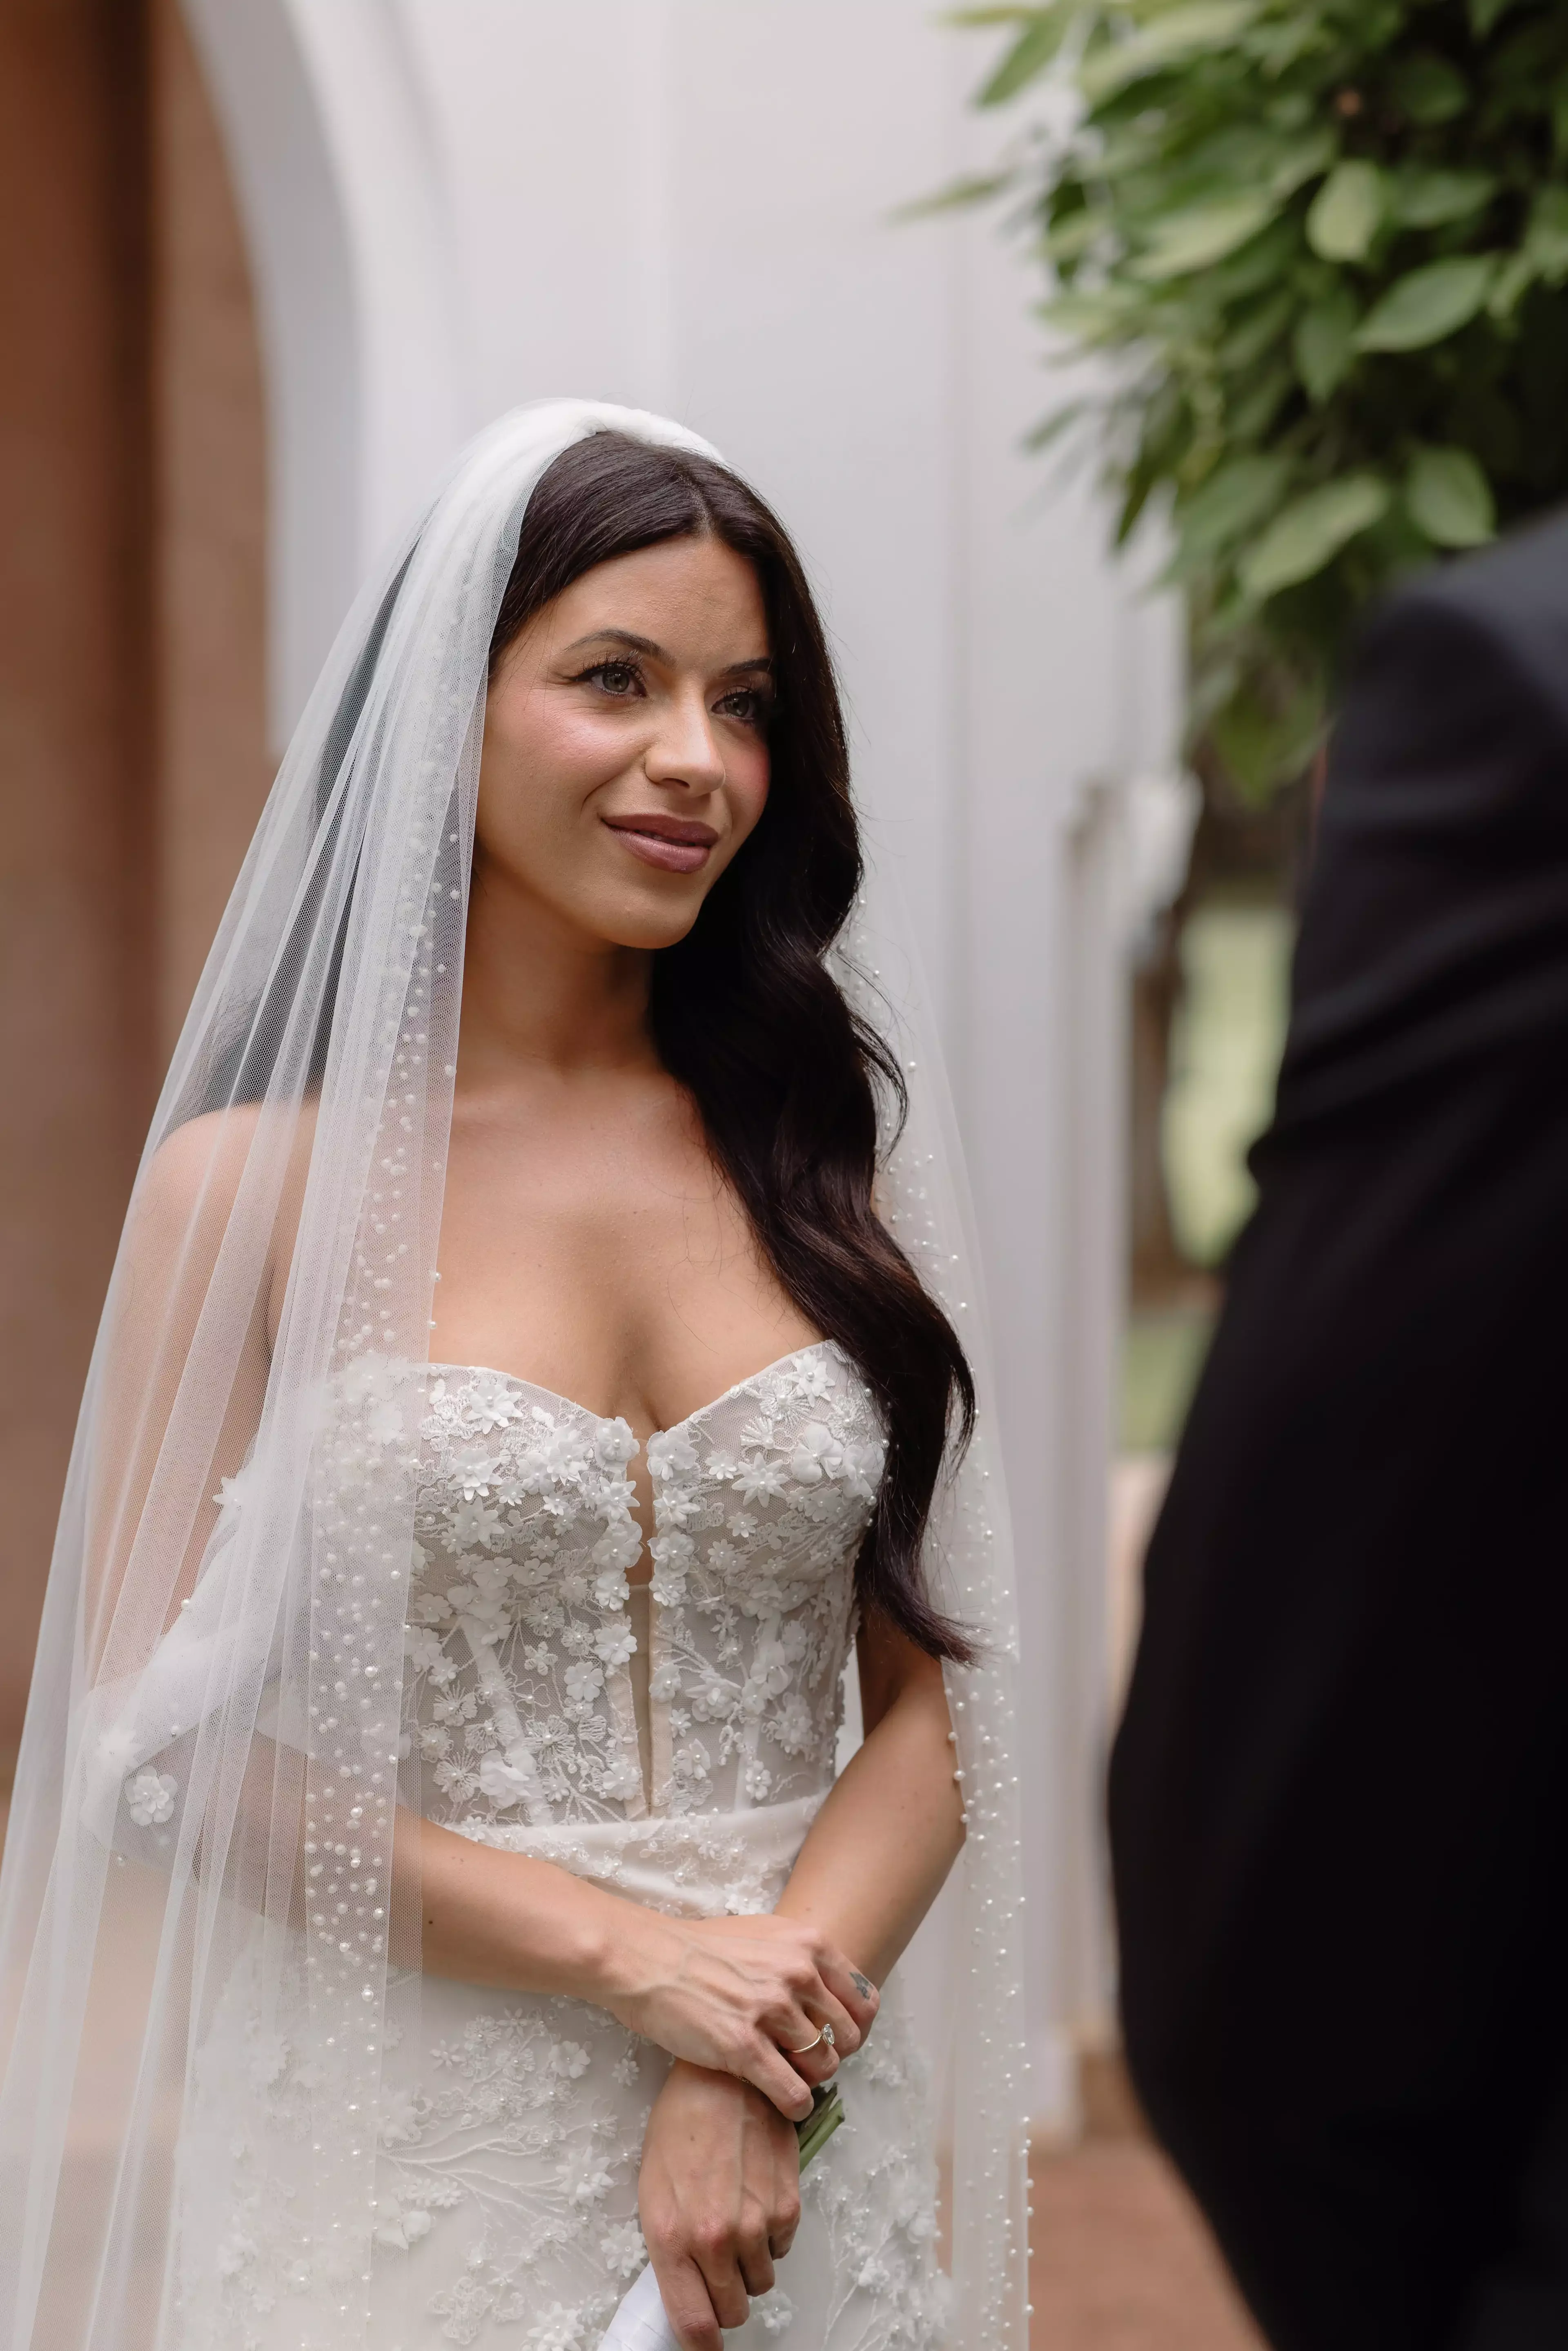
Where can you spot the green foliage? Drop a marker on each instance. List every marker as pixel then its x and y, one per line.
pixel 1323 246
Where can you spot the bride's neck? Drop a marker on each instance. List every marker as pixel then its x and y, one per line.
pixel 538 991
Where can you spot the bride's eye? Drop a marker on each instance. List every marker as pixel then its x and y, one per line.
pixel 620 678
pixel 749 704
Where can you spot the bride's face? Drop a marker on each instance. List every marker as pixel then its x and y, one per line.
pixel 625 755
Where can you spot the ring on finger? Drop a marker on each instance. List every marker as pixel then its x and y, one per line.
pixel 824 2040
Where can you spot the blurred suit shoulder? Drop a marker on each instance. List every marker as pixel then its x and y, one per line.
pixel 1515 592
pixel 1436 920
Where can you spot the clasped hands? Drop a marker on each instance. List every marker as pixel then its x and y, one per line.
pixel 730 1999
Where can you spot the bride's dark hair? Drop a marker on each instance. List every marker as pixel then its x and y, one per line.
pixel 746 1014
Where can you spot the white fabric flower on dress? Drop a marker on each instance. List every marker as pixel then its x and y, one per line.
pixel 670 1452
pixel 149 1797
pixel 400 2117
pixel 583 1683
pixel 614 1443
pixel 231 1494
pixel 817 1455
pixel 622 2251
pixel 618 1548
pixel 792 1726
pixel 616 1644
pixel 583 2176
pixel 558 2329
pixel 502 1781
pixel 760 1480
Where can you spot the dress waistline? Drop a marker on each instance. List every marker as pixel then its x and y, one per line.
pixel 690 1864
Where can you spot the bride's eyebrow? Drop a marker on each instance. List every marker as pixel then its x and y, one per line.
pixel 619 637
pixel 655 651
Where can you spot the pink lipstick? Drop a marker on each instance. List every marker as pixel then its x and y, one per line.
pixel 676 844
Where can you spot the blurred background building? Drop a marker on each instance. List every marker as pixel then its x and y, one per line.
pixel 264 265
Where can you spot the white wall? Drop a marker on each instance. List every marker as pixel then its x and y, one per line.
pixel 687 205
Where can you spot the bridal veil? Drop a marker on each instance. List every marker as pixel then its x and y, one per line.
pixel 212 1760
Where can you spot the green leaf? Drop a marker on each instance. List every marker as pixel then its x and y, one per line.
pixel 1450 499
pixel 1302 161
pixel 1252 417
pixel 1174 34
pixel 1072 240
pixel 1092 318
pixel 1203 235
pixel 1345 213
pixel 1061 421
pixel 1230 503
pixel 1546 239
pixel 1427 304
pixel 1256 267
pixel 1325 344
pixel 1419 199
pixel 975 188
pixel 1263 747
pixel 1427 89
pixel 1485 13
pixel 1033 50
pixel 1312 530
pixel 1254 334
pixel 1516 275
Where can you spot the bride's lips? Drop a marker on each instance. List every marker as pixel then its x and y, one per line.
pixel 677 844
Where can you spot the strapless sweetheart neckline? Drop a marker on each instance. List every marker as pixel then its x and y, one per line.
pixel 611 1420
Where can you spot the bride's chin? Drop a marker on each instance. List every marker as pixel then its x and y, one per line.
pixel 649 927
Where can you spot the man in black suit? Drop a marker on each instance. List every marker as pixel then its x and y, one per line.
pixel 1339 1798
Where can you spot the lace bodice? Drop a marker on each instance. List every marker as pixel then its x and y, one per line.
pixel 518 1702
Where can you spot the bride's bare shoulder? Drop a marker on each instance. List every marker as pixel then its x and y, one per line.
pixel 192 1182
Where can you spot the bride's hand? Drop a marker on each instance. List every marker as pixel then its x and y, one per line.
pixel 736 1995
pixel 719 2198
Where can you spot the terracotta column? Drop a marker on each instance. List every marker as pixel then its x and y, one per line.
pixel 132 755
pixel 212 765
pixel 76 850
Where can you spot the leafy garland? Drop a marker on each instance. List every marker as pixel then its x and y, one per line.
pixel 1324 243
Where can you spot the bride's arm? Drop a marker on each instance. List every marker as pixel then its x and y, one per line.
pixel 717 2190
pixel 893 1826
pixel 725 1993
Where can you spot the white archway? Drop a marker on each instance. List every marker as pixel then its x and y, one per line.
pixel 355 281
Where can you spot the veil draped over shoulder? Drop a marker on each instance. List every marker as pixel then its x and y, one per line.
pixel 211 1763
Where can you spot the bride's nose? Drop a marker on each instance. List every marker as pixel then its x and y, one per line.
pixel 684 748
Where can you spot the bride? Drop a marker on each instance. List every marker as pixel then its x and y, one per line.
pixel 526 1375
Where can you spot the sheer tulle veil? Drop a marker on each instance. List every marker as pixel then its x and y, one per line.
pixel 211 1763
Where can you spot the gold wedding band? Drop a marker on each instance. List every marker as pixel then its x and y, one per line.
pixel 823 2040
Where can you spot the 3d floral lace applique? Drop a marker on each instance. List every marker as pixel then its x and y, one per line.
pixel 522 2135
pixel 511 2127
pixel 516 1624
pixel 762 1503
pixel 150 1797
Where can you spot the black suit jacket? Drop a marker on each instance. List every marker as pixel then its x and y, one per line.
pixel 1339 1797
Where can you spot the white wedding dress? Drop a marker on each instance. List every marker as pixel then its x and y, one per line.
pixel 230 2120
pixel 674 1747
